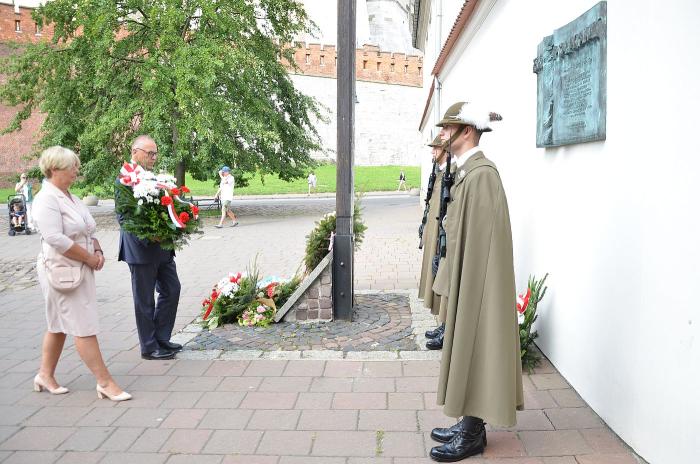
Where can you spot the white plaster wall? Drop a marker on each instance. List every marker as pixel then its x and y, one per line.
pixel 385 120
pixel 615 223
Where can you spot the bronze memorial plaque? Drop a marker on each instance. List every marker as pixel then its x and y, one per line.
pixel 571 68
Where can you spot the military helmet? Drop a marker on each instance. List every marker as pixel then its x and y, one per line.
pixel 469 114
pixel 437 142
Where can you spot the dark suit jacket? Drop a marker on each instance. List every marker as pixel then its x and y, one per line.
pixel 134 250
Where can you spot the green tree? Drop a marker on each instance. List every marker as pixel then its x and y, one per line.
pixel 203 77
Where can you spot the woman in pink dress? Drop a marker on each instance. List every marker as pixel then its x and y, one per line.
pixel 67 229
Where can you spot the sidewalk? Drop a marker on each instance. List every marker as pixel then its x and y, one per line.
pixel 305 406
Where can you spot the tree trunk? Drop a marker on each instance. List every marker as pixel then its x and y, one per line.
pixel 180 173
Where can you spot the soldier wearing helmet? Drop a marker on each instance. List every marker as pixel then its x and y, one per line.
pixel 480 374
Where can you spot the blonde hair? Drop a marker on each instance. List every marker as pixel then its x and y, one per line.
pixel 57 157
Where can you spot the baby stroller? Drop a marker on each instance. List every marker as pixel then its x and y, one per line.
pixel 17 209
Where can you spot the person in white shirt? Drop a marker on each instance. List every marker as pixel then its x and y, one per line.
pixel 24 186
pixel 311 180
pixel 225 192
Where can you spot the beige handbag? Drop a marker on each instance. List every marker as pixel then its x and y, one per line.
pixel 63 274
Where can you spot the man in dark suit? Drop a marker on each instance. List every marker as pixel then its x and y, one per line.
pixel 152 269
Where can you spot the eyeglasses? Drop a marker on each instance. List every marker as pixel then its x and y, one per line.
pixel 152 154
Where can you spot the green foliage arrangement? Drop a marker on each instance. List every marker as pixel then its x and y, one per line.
pixel 318 241
pixel 207 80
pixel 527 315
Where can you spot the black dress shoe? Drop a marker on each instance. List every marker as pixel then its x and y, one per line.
pixel 159 354
pixel 170 346
pixel 436 331
pixel 446 434
pixel 435 343
pixel 468 441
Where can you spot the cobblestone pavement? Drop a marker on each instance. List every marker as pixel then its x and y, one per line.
pixel 381 322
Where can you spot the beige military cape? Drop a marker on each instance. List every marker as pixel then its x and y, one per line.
pixel 430 233
pixel 480 373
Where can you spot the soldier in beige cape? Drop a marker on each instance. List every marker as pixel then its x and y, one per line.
pixel 429 242
pixel 480 373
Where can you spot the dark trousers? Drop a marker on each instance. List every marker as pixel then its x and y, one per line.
pixel 155 321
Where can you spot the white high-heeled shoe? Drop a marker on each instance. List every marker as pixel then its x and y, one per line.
pixel 102 393
pixel 39 386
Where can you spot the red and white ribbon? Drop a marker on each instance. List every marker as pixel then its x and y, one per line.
pixel 129 174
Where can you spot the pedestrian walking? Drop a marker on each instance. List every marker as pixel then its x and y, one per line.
pixel 152 269
pixel 225 192
pixel 25 187
pixel 311 180
pixel 480 373
pixel 402 181
pixel 70 255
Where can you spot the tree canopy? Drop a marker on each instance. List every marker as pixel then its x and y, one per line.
pixel 204 78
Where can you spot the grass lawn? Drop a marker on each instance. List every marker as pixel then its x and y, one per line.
pixel 367 179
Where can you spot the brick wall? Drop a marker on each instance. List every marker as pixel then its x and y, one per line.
pixel 371 64
pixel 27 33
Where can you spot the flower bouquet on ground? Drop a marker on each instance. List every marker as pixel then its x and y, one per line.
pixel 149 206
pixel 246 299
pixel 526 308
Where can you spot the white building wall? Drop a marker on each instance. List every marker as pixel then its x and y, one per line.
pixel 385 132
pixel 615 223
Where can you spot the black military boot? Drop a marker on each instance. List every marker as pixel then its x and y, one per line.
pixel 468 441
pixel 435 343
pixel 436 331
pixel 446 434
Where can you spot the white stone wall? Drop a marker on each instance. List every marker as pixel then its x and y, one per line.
pixel 615 223
pixel 386 121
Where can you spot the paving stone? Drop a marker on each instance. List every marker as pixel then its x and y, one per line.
pixel 554 443
pixel 239 384
pixel 344 444
pixel 220 368
pixel 548 381
pixel 186 441
pixel 404 444
pixel 326 384
pixel 530 419
pixel 343 369
pixel 604 441
pixel 428 420
pixel 233 442
pixel 273 420
pixel 182 400
pixel 286 442
pixel 185 367
pixel 78 457
pixel 405 401
pixel 382 369
pixel 416 384
pixel 152 367
pixel 574 418
pixel 86 439
pixel 152 382
pixel 265 367
pixel 321 355
pixel 121 439
pixel 37 438
pixel 183 419
pixel 250 459
pixel 220 399
pixel 33 457
pixel 134 458
pixel 57 416
pixel 100 417
pixel 314 400
pixel 304 368
pixel 624 458
pixel 503 444
pixel 265 400
pixel 195 459
pixel 15 415
pixel 141 399
pixel 151 441
pixel 539 399
pixel 285 384
pixel 374 384
pixel 421 368
pixel 199 384
pixel 142 417
pixel 310 460
pixel 240 354
pixel 567 398
pixel 359 401
pixel 399 421
pixel 225 419
pixel 328 420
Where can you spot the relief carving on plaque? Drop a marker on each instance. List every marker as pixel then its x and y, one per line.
pixel 571 68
